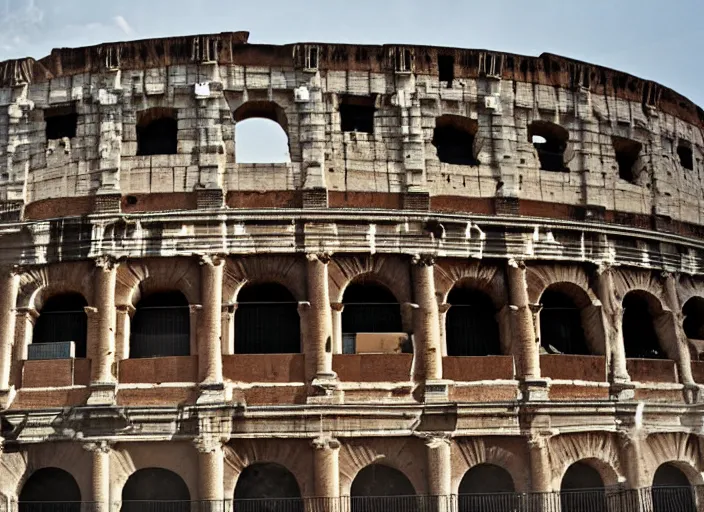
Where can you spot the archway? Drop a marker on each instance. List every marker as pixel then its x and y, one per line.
pixel 49 489
pixel 161 326
pixel 157 132
pixel 62 319
pixel 672 490
pixel 454 138
pixel 561 330
pixel 582 489
pixel 380 487
pixel 639 335
pixel 550 140
pixel 267 320
pixel 261 133
pixel 470 324
pixel 267 487
pixel 693 324
pixel 147 490
pixel 487 487
pixel 371 308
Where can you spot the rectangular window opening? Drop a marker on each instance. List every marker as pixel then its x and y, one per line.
pixel 61 122
pixel 357 114
pixel 627 155
pixel 686 155
pixel 446 69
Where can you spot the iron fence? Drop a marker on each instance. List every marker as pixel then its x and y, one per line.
pixel 655 499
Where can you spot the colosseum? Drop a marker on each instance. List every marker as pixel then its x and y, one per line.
pixel 477 285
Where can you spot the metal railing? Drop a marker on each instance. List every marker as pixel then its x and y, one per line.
pixel 651 499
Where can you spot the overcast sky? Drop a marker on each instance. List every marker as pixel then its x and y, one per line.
pixel 658 40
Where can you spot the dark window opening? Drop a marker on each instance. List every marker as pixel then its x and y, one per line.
pixel 693 324
pixel 63 318
pixel 454 138
pixel 49 490
pixel 312 57
pixel 561 329
pixel 271 482
pixel 550 140
pixel 470 327
pixel 672 490
pixel 157 132
pixel 357 114
pixel 446 69
pixel 487 487
pixel 582 489
pixel 267 320
pixel 403 60
pixel 639 335
pixel 379 487
pixel 627 155
pixel 370 307
pixel 61 122
pixel 150 489
pixel 686 155
pixel 161 326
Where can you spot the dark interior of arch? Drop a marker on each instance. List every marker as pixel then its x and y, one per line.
pixel 370 307
pixel 453 138
pixel 639 336
pixel 470 324
pixel 582 489
pixel 63 318
pixel 561 329
pixel 267 320
pixel 161 326
pixel 157 132
pixel 379 480
pixel 551 152
pixel 51 485
pixel 268 481
pixel 581 475
pixel 672 490
pixel 155 484
pixel 693 311
pixel 485 479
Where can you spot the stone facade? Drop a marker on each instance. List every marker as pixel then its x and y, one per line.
pixel 394 201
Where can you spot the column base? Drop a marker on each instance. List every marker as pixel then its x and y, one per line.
pixel 103 393
pixel 211 393
pixel 622 391
pixel 534 390
pixel 436 391
pixel 325 390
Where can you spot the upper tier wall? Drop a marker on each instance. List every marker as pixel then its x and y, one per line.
pixel 302 86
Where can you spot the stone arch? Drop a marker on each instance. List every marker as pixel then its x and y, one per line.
pixel 645 328
pixel 582 488
pixel 471 324
pixel 63 318
pixel 573 279
pixel 295 457
pixel 673 488
pixel 154 484
pixel 289 271
pixel 52 485
pixel 157 131
pixel 680 449
pixel 381 480
pixel 267 480
pixel 455 139
pixel 392 272
pixel 583 325
pixel 508 454
pixel 551 142
pixel 179 458
pixel 161 326
pixel 147 276
pixel 261 109
pixel 267 118
pixel 693 312
pixel 600 450
pixel 370 306
pixel 39 284
pixel 399 453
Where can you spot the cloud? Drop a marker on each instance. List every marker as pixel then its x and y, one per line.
pixel 19 21
pixel 122 24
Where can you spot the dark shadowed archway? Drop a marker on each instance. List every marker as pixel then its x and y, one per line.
pixel 50 490
pixel 470 324
pixel 62 319
pixel 267 487
pixel 561 330
pixel 379 487
pixel 582 489
pixel 640 338
pixel 672 490
pixel 153 490
pixel 487 487
pixel 161 326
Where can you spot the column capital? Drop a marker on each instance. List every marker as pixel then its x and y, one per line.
pixel 212 260
pixel 519 264
pixel 91 311
pixel 106 262
pixel 322 257
pixel 436 440
pixel 208 444
pixel 126 308
pixel 98 446
pixel 194 308
pixel 423 260
pixel 337 306
pixel 603 268
pixel 28 311
pixel 324 442
pixel 538 441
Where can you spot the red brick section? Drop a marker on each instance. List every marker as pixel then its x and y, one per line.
pixel 569 367
pixel 373 367
pixel 574 392
pixel 269 199
pixel 469 369
pixel 276 395
pixel 503 393
pixel 451 204
pixel 59 207
pixel 275 368
pixel 388 201
pixel 652 370
pixel 159 369
pixel 161 397
pixel 667 396
pixel 160 202
pixel 52 398
pixel 55 373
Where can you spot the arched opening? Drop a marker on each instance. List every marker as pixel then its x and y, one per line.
pixel 49 489
pixel 267 320
pixel 550 140
pixel 150 489
pixel 61 320
pixel 380 487
pixel 161 326
pixel 639 335
pixel 157 132
pixel 261 133
pixel 454 138
pixel 672 490
pixel 487 487
pixel 470 324
pixel 693 324
pixel 267 487
pixel 561 330
pixel 371 308
pixel 582 489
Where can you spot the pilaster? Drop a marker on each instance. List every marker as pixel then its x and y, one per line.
pixel 100 474
pixel 102 382
pixel 210 330
pixel 9 285
pixel 211 471
pixel 326 468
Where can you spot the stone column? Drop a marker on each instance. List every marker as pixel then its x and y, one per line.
pixel 427 318
pixel 104 298
pixel 540 472
pixel 9 286
pixel 210 328
pixel 211 461
pixel 337 308
pixel 319 318
pixel 525 346
pixel 631 455
pixel 123 322
pixel 228 329
pixel 326 471
pixel 100 476
pixel 680 350
pixel 24 326
pixel 439 464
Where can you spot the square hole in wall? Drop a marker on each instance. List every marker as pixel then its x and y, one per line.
pixel 686 155
pixel 61 122
pixel 446 68
pixel 627 155
pixel 357 113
